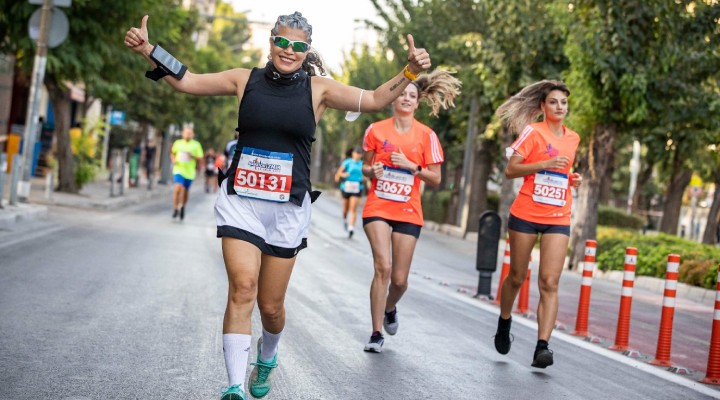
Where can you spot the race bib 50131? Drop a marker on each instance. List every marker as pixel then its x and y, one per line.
pixel 264 175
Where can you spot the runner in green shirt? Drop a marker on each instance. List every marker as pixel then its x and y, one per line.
pixel 185 154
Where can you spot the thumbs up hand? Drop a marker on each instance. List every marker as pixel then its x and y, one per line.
pixel 137 39
pixel 418 58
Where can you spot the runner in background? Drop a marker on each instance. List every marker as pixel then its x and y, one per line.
pixel 351 186
pixel 185 154
pixel 542 155
pixel 400 153
pixel 210 171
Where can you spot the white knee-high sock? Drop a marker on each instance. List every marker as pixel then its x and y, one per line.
pixel 269 345
pixel 236 347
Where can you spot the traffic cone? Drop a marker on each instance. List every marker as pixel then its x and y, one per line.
pixel 712 376
pixel 662 355
pixel 622 335
pixel 581 324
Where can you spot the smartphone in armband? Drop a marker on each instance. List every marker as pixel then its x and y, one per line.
pixel 166 60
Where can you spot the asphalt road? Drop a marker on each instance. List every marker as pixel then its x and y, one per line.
pixel 129 304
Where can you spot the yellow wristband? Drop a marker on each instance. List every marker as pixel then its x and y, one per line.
pixel 409 74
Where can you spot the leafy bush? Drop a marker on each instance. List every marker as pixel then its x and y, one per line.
pixel 436 210
pixel 698 262
pixel 617 217
pixel 84 144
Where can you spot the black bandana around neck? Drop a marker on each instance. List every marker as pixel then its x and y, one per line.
pixel 284 79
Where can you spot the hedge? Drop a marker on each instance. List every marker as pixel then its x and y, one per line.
pixel 619 218
pixel 698 262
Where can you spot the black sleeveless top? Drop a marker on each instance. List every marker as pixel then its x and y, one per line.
pixel 276 114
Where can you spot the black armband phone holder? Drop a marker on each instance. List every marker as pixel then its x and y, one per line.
pixel 166 65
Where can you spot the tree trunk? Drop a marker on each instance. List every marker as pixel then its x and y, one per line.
pixel 63 152
pixel 451 217
pixel 710 235
pixel 507 192
pixel 483 168
pixel 639 201
pixel 607 181
pixel 593 167
pixel 679 180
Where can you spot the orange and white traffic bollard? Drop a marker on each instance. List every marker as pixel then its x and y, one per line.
pixel 622 335
pixel 505 270
pixel 583 312
pixel 662 355
pixel 524 298
pixel 712 376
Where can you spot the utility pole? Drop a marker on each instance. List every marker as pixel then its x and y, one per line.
pixel 31 120
pixel 465 189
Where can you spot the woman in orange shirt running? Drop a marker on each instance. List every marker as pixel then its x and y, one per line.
pixel 542 155
pixel 399 153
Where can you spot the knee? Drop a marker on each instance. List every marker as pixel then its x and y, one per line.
pixel 400 285
pixel 548 284
pixel 382 270
pixel 271 310
pixel 242 291
pixel 516 279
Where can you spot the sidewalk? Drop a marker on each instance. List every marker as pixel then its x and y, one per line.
pixel 94 195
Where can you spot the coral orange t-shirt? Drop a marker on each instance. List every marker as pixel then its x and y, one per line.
pixel 396 196
pixel 545 197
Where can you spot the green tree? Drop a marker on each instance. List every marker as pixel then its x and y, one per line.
pixel 93 53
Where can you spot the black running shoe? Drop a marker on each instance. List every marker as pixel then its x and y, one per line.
pixel 543 358
pixel 182 213
pixel 350 233
pixel 375 344
pixel 503 338
pixel 175 213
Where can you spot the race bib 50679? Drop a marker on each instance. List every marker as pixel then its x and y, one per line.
pixel 396 184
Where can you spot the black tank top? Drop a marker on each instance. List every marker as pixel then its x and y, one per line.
pixel 276 114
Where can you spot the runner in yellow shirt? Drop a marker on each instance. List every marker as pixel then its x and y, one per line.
pixel 185 154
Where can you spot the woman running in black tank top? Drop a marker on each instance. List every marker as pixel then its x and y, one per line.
pixel 269 177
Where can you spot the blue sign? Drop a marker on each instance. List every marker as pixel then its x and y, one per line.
pixel 117 118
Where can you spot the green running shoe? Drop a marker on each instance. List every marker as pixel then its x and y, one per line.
pixel 260 382
pixel 234 392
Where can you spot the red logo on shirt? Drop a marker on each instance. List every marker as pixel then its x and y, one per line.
pixel 388 147
pixel 551 151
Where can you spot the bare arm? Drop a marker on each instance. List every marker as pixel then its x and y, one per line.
pixel 430 175
pixel 224 83
pixel 341 174
pixel 342 97
pixel 516 169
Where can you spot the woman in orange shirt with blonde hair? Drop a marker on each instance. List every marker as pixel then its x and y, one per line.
pixel 542 155
pixel 400 152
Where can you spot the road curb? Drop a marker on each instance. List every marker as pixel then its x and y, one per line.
pixel 11 215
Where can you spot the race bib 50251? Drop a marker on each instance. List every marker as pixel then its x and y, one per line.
pixel 550 188
pixel 265 175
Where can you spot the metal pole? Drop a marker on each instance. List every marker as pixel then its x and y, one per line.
pixel 106 138
pixel 112 173
pixel 49 186
pixel 634 170
pixel 465 189
pixel 122 171
pixel 3 173
pixel 14 179
pixel 31 120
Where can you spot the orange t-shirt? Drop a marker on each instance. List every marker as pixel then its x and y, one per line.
pixel 396 196
pixel 545 197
